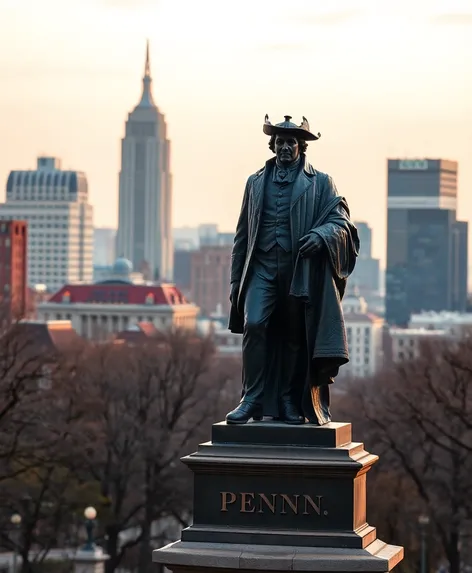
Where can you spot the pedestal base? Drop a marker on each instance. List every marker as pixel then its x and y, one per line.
pixel 190 557
pixel 273 497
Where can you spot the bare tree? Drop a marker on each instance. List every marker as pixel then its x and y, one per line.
pixel 23 368
pixel 152 404
pixel 39 482
pixel 418 417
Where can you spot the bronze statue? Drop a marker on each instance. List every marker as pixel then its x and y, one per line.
pixel 293 250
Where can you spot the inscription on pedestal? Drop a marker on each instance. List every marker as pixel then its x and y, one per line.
pixel 281 503
pixel 269 501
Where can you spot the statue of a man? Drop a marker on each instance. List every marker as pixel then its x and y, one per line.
pixel 294 248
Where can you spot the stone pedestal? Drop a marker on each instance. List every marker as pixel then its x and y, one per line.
pixel 273 497
pixel 90 560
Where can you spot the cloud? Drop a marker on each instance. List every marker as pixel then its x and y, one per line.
pixel 328 18
pixel 34 71
pixel 453 19
pixel 280 47
pixel 130 4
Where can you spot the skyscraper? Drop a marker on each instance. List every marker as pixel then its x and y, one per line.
pixel 145 189
pixel 104 244
pixel 366 275
pixel 365 236
pixel 60 226
pixel 426 245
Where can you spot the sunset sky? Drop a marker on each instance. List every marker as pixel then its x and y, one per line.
pixel 378 78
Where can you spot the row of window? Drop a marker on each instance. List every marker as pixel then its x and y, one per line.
pixel 45 266
pixel 41 193
pixel 64 207
pixel 358 341
pixel 48 226
pixel 358 330
pixel 409 355
pixel 58 256
pixel 402 342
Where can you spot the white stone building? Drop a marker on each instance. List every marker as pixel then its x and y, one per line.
pixel 60 227
pixel 99 311
pixel 455 323
pixel 427 326
pixel 145 189
pixel 364 337
pixel 406 342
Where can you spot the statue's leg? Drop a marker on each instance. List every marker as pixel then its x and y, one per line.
pixel 259 303
pixel 292 339
pixel 294 362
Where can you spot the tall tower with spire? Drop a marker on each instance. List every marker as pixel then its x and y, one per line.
pixel 145 188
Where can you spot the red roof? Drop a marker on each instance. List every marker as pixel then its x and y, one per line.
pixel 120 293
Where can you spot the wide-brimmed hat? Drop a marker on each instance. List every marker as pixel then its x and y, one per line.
pixel 287 127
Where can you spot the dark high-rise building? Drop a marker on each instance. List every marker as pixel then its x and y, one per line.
pixel 426 245
pixel 13 269
pixel 460 265
pixel 366 275
pixel 183 268
pixel 365 237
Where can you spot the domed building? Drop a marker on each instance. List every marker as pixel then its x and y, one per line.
pixel 101 310
pixel 121 271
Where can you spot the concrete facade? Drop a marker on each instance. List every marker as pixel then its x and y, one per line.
pixel 60 222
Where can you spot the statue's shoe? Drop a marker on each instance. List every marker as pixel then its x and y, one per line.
pixel 289 413
pixel 244 412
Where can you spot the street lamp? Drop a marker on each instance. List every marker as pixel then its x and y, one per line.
pixel 423 522
pixel 90 514
pixel 15 520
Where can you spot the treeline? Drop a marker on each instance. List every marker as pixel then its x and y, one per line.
pixel 104 425
pixel 417 416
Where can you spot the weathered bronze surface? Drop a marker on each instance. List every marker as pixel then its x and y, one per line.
pixel 294 248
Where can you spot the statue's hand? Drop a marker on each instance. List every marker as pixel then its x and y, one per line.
pixel 234 292
pixel 310 244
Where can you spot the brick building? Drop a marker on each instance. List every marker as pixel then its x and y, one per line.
pixel 13 269
pixel 209 278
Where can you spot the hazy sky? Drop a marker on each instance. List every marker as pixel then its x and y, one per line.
pixel 377 78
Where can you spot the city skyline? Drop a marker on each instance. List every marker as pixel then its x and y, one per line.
pixel 408 99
